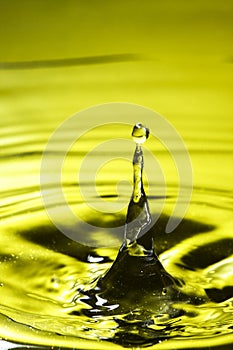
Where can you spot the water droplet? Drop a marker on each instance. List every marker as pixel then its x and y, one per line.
pixel 140 133
pixel 164 291
pixel 55 281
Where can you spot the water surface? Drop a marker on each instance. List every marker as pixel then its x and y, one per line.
pixel 183 73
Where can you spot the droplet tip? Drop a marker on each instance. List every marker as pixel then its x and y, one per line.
pixel 140 133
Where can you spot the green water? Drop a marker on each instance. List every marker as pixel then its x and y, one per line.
pixel 178 62
pixel 45 276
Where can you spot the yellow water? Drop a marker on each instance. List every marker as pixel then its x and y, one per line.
pixel 179 63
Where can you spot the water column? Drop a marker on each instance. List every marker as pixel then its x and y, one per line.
pixel 137 282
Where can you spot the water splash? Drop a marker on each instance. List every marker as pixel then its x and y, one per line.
pixel 137 283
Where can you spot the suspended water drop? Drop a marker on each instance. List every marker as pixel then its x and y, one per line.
pixel 140 133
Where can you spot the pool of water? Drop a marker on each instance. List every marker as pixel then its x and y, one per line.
pixel 44 274
pixel 175 60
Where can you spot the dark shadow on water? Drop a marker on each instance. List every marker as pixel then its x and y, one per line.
pixel 51 238
pixel 208 254
pixel 220 295
pixel 69 62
